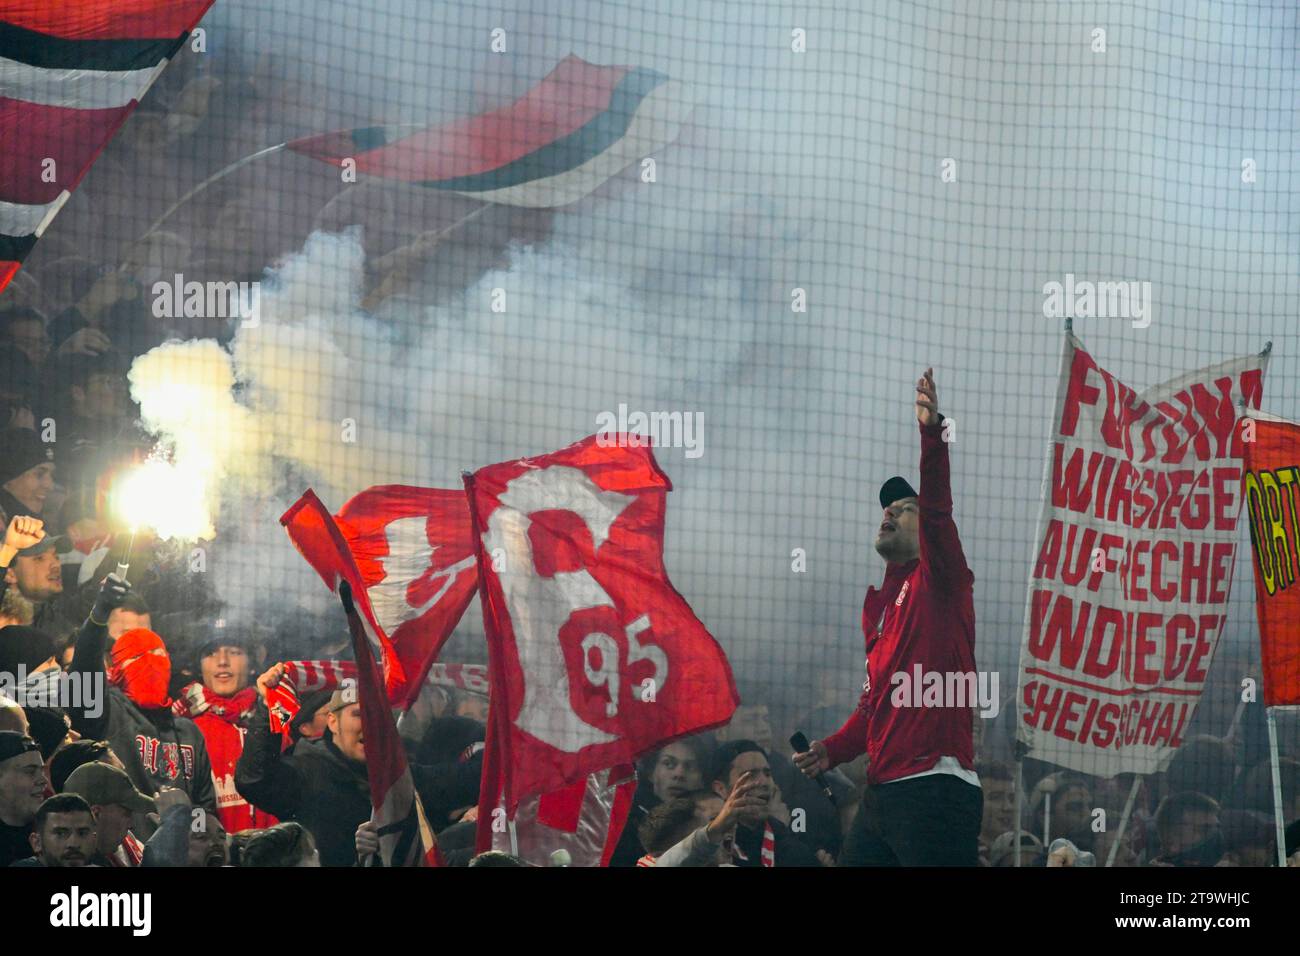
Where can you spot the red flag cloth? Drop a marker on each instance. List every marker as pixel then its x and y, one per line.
pixel 408 555
pixel 594 656
pixel 405 837
pixel 1271 489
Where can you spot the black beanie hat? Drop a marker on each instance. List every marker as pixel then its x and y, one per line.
pixel 21 450
pixel 27 646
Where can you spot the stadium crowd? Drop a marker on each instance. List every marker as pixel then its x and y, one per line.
pixel 175 762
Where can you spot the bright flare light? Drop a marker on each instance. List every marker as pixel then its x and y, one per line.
pixel 169 499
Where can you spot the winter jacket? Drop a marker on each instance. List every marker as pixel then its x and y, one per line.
pixel 314 785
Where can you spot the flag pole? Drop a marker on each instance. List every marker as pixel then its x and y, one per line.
pixel 220 174
pixel 1123 820
pixel 1278 823
pixel 1020 801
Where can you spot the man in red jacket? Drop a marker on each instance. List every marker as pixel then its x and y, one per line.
pixel 923 804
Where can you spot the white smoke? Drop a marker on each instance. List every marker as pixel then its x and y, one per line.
pixel 817 171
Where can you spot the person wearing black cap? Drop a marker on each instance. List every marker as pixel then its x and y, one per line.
pixel 31 575
pixel 923 805
pixel 22 790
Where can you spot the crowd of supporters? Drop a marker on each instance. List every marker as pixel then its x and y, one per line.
pixel 176 763
pixel 165 755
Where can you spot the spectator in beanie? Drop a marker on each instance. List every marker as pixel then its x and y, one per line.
pixel 63 833
pixel 22 790
pixel 112 799
pixel 322 784
pixel 158 748
pixel 26 473
pixel 222 707
pixel 27 656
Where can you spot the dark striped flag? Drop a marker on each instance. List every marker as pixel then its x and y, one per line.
pixel 557 143
pixel 71 72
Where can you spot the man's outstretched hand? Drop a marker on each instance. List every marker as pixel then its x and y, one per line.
pixel 813 761
pixel 927 400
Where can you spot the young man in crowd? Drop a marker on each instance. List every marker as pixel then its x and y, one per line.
pixel 31 577
pixel 222 707
pixel 321 784
pixel 63 833
pixel 26 473
pixel 924 805
pixel 999 806
pixel 741 767
pixel 672 772
pixel 22 790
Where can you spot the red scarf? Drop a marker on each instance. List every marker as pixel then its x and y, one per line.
pixel 197 699
pixel 305 677
pixel 222 721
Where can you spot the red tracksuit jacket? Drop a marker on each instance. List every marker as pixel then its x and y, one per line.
pixel 928 619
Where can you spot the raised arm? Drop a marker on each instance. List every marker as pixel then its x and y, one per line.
pixel 264 776
pixel 942 559
pixel 88 657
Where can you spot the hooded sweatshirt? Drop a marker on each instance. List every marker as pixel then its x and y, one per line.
pixel 157 748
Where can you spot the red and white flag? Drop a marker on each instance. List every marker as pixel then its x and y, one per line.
pixel 405 837
pixel 1135 553
pixel 408 554
pixel 595 658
